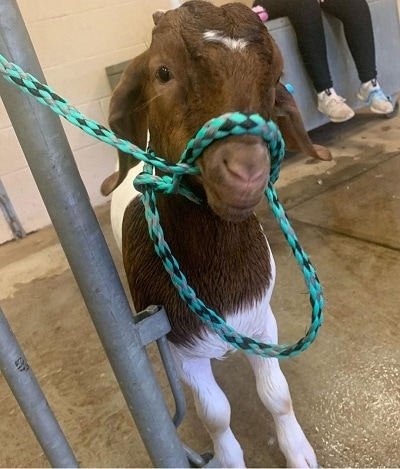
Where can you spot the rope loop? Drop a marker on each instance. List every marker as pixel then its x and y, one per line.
pixel 234 123
pixel 148 183
pixel 237 124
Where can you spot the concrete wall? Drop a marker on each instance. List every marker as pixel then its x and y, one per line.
pixel 75 42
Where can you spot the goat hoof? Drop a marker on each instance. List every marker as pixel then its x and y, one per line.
pixel 322 153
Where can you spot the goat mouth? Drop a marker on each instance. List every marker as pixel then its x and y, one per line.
pixel 232 212
pixel 231 206
pixel 234 215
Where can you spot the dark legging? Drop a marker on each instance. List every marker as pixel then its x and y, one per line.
pixel 305 16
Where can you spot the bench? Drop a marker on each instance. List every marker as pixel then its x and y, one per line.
pixel 385 19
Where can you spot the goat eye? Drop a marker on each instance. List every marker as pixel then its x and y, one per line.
pixel 164 74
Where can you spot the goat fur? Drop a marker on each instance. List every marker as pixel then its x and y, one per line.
pixel 181 81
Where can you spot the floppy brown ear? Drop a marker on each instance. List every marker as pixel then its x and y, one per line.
pixel 291 125
pixel 128 117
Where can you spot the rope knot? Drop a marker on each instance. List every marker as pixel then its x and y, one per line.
pixel 147 180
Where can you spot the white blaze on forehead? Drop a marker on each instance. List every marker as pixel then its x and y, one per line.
pixel 219 37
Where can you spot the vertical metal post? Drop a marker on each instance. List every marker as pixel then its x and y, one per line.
pixel 9 214
pixel 49 156
pixel 27 392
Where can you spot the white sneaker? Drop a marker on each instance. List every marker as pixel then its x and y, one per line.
pixel 371 93
pixel 334 106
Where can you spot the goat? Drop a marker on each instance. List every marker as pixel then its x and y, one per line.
pixel 205 61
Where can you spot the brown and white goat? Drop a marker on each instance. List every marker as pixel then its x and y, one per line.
pixel 205 61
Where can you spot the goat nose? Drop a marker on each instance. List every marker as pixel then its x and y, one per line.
pixel 247 165
pixel 245 171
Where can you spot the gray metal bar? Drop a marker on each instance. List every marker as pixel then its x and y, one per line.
pixel 27 392
pixel 49 156
pixel 153 326
pixel 9 214
pixel 173 379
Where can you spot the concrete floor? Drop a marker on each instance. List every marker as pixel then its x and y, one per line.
pixel 345 388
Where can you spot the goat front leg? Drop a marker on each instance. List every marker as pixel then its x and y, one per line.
pixel 212 406
pixel 274 393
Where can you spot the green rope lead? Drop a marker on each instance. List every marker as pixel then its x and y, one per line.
pixel 237 124
pixel 48 97
pixel 148 183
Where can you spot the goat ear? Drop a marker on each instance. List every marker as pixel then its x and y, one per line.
pixel 128 117
pixel 157 15
pixel 291 125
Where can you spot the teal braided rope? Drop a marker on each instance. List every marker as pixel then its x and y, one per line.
pixel 237 124
pixel 229 124
pixel 48 97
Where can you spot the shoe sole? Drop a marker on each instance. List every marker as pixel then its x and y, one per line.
pixel 337 121
pixel 374 110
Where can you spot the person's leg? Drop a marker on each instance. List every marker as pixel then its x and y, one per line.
pixel 305 16
pixel 356 18
pixel 357 24
pixel 306 19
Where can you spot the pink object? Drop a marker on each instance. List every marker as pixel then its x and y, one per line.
pixel 263 15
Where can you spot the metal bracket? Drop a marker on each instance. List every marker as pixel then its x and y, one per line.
pixel 152 323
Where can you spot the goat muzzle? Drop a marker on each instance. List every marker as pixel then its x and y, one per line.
pixel 235 173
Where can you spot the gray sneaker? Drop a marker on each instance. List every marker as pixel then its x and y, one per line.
pixel 371 93
pixel 334 106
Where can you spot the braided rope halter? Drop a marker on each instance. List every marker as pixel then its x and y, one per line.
pixel 230 124
pixel 147 182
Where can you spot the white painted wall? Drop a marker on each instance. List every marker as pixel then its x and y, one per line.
pixel 75 41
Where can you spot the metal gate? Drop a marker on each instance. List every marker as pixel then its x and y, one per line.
pixel 124 337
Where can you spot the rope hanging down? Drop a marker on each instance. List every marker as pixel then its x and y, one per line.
pixel 233 123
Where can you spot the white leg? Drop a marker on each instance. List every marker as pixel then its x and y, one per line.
pixel 273 390
pixel 212 407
